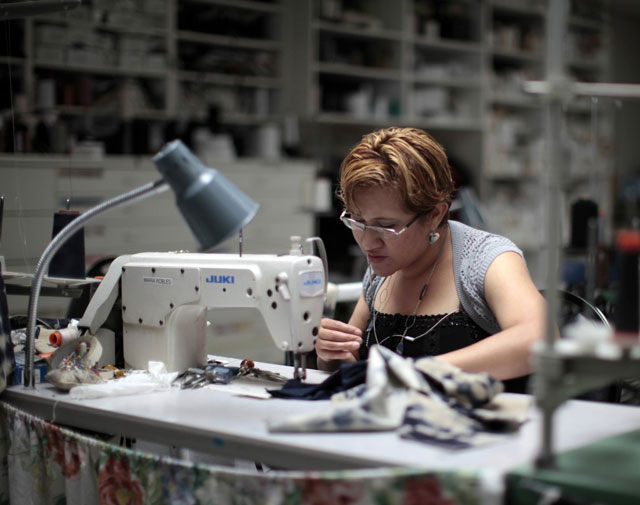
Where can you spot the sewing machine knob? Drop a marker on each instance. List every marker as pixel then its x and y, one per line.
pixel 296 245
pixel 283 288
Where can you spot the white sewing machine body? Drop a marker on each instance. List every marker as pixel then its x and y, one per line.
pixel 165 298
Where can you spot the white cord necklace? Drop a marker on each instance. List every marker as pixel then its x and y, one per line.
pixel 412 317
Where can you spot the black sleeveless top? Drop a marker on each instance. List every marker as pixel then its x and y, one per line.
pixel 441 333
pixel 444 333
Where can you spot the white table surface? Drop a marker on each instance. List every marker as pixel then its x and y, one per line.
pixel 218 422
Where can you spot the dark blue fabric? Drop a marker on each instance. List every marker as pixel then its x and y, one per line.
pixel 346 377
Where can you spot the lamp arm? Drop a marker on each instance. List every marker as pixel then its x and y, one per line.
pixel 132 196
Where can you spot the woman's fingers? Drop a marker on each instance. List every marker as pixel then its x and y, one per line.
pixel 337 340
pixel 334 355
pixel 337 330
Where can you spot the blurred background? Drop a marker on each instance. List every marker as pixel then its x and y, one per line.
pixel 273 93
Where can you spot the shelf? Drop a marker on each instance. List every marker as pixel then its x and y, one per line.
pixel 360 32
pixel 469 82
pixel 344 118
pixel 585 64
pixel 80 110
pixel 114 60
pixel 112 71
pixel 516 55
pixel 12 60
pixel 447 44
pixel 515 101
pixel 228 41
pixel 229 79
pixel 390 74
pixel 584 23
pixel 523 9
pixel 507 178
pixel 242 4
pixel 248 119
pixel 451 124
pixel 108 27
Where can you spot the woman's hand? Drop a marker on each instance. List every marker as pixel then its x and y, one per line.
pixel 338 341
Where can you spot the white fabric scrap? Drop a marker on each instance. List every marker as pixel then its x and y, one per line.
pixel 156 378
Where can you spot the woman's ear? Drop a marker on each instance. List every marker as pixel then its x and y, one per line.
pixel 438 213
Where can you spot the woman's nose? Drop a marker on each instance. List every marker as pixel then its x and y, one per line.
pixel 369 237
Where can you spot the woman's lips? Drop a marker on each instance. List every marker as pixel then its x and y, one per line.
pixel 374 258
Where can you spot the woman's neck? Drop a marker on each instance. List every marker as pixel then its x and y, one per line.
pixel 435 256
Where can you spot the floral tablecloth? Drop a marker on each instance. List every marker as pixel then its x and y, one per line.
pixel 42 463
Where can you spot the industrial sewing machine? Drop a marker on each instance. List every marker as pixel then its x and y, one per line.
pixel 165 298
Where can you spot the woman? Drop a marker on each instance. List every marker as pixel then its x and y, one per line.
pixel 433 286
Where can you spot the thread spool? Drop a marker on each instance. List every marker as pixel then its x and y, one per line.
pixel 63 336
pixel 69 261
pixel 43 333
pixel 627 322
pixel 581 212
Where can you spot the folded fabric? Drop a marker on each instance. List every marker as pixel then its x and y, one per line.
pixel 425 400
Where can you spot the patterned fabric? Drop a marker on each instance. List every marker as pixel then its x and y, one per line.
pixel 426 400
pixel 472 413
pixel 42 463
pixel 473 252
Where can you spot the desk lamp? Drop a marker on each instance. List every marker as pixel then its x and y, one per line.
pixel 213 207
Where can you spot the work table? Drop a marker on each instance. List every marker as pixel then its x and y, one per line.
pixel 212 420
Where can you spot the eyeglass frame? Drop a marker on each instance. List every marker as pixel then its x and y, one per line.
pixel 354 226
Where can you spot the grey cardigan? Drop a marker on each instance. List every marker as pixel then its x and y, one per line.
pixel 473 251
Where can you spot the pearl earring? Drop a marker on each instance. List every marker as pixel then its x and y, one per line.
pixel 433 237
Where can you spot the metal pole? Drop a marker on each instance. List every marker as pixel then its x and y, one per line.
pixel 557 22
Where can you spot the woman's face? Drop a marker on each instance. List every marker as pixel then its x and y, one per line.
pixel 382 207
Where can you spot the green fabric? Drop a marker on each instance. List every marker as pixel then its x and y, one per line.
pixel 607 471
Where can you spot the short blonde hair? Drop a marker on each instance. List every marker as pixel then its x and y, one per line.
pixel 407 160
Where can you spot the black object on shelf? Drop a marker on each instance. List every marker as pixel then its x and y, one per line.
pixel 582 211
pixel 627 296
pixel 69 261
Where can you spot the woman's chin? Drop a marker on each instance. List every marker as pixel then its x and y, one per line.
pixel 381 270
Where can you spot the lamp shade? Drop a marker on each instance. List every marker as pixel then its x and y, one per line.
pixel 213 207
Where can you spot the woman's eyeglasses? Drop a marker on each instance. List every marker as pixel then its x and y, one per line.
pixel 385 233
